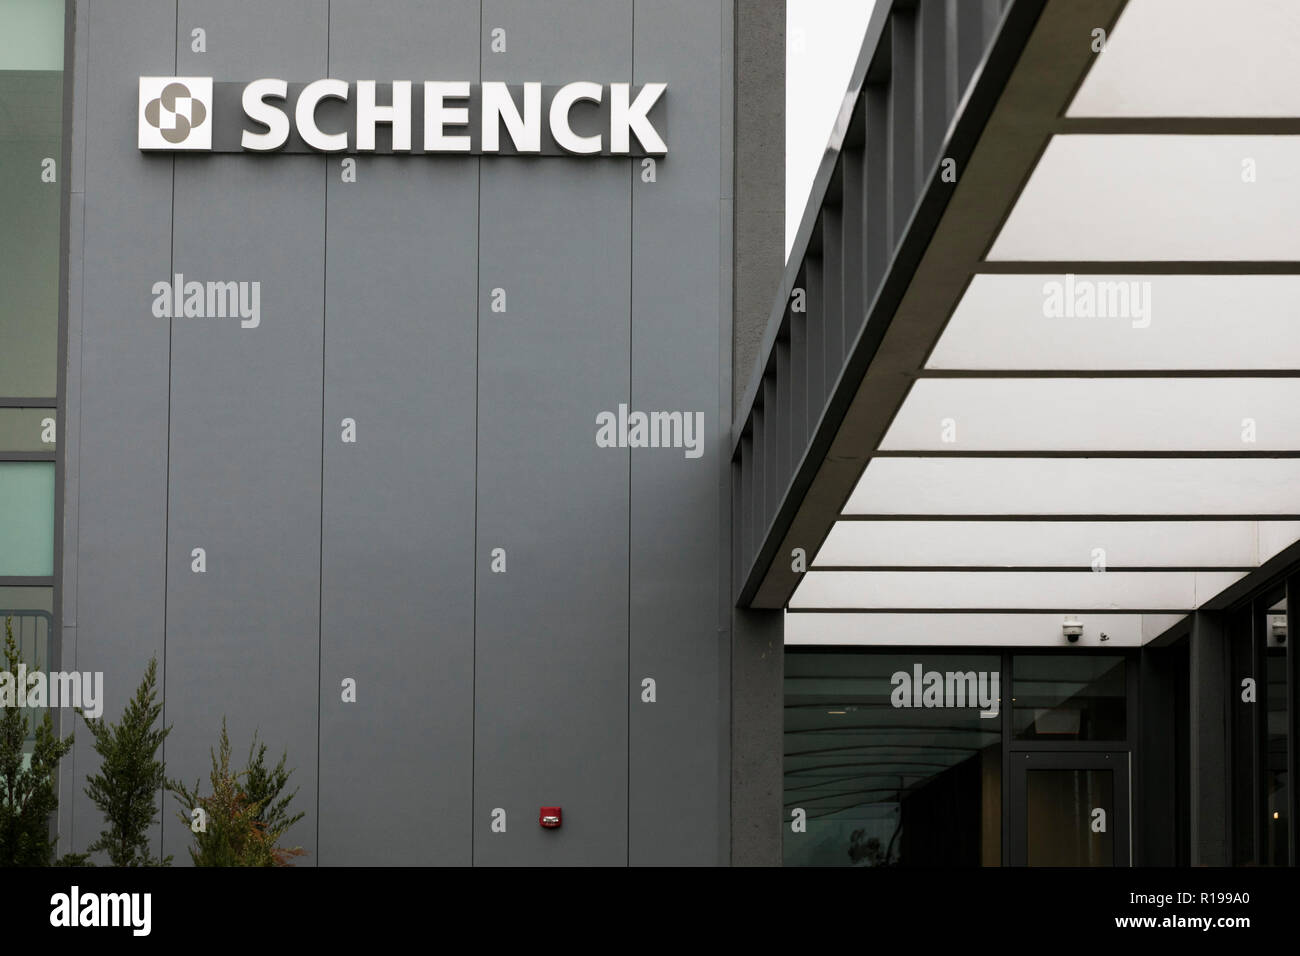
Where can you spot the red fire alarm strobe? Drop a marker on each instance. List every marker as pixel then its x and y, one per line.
pixel 549 817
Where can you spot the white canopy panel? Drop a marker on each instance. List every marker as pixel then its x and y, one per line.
pixel 1017 630
pixel 1107 429
pixel 1150 487
pixel 1011 590
pixel 1197 58
pixel 1158 198
pixel 1080 323
pixel 1055 544
pixel 1099 414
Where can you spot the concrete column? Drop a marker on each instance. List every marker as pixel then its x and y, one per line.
pixel 757 698
pixel 759 221
pixel 757 722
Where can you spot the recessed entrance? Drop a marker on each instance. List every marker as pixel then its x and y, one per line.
pixel 924 757
pixel 1069 809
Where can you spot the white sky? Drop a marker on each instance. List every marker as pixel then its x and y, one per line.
pixel 823 38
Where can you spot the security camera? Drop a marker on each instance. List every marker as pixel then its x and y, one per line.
pixel 1279 630
pixel 1072 628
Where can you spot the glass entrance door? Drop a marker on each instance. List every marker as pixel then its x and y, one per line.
pixel 1069 809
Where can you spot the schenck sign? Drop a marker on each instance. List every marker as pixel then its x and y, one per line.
pixel 583 118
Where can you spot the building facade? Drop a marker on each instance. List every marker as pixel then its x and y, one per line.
pixel 420 385
pixel 355 443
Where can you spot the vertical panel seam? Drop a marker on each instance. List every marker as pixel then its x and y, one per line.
pixel 320 551
pixel 735 477
pixel 54 637
pixel 167 497
pixel 722 842
pixel 81 363
pixel 81 297
pixel 631 369
pixel 478 297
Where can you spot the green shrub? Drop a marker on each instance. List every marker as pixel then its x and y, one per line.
pixel 130 776
pixel 247 813
pixel 28 789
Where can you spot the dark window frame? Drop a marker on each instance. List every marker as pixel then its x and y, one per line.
pixel 1254 609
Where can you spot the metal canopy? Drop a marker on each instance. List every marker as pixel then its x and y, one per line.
pixel 1083 398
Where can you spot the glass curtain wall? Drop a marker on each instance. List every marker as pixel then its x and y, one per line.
pixel 31 212
pixel 889 761
pixel 905 758
pixel 1262 711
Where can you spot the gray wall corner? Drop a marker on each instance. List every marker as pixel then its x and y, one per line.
pixel 758 260
pixel 759 217
pixel 757 655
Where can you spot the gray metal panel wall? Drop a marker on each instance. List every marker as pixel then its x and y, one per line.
pixel 475 430
pixel 119 537
pixel 551 704
pixel 398 521
pixel 243 638
pixel 675 798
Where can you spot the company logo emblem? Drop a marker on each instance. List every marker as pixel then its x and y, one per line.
pixel 175 112
pixel 332 115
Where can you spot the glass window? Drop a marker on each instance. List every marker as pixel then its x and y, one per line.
pixel 1061 698
pixel 26 518
pixel 30 610
pixel 1276 782
pixel 27 429
pixel 31 131
pixel 1243 730
pixel 31 193
pixel 892 759
pixel 31 35
pixel 29 613
pixel 1060 806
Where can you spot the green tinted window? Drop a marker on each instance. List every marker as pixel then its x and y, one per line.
pixel 26 518
pixel 31 130
pixel 28 429
pixel 31 35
